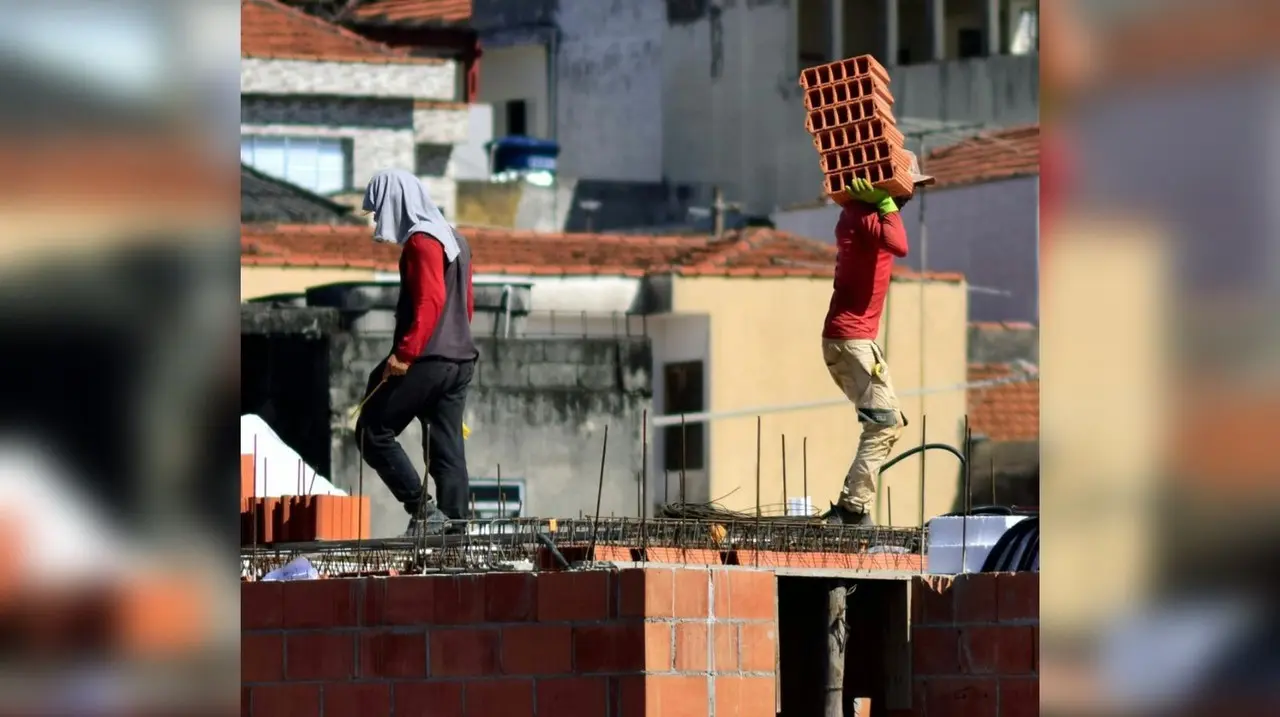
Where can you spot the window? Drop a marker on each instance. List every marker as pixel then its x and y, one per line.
pixel 431 160
pixel 1026 33
pixel 971 43
pixel 517 116
pixel 485 497
pixel 319 164
pixel 813 30
pixel 684 446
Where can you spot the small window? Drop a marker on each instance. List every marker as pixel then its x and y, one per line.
pixel 683 392
pixel 318 164
pixel 971 43
pixel 492 501
pixel 431 160
pixel 517 118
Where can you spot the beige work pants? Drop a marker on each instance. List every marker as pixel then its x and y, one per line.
pixel 859 369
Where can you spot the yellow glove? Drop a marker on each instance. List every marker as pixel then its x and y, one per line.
pixel 466 432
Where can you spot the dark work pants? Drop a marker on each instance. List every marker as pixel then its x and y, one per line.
pixel 435 393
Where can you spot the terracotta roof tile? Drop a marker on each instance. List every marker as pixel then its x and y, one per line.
pixel 272 30
pixel 998 154
pixel 1007 411
pixel 753 252
pixel 414 12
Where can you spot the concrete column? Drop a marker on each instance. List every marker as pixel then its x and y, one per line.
pixel 890 58
pixel 836 15
pixel 993 26
pixel 937 18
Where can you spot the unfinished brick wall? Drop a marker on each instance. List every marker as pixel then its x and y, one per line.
pixel 671 641
pixel 975 645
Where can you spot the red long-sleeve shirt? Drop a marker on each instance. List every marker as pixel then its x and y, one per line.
pixel 422 278
pixel 867 244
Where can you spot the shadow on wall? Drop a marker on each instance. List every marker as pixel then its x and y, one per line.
pixel 1003 473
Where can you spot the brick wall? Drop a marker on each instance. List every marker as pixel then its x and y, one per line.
pixel 975 645
pixel 675 642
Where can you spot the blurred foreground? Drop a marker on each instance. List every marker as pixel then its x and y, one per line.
pixel 120 361
pixel 1160 342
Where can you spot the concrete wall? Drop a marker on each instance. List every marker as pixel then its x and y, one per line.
pixel 761 354
pixel 989 232
pixel 537 407
pixel 516 73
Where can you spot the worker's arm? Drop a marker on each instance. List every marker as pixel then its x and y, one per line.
pixel 423 280
pixel 886 227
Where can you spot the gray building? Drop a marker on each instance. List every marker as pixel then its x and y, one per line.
pixel 325 108
pixel 981 219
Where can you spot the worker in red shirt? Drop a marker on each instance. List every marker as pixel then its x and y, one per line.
pixel 432 359
pixel 869 235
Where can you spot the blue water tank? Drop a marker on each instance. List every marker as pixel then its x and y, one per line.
pixel 517 153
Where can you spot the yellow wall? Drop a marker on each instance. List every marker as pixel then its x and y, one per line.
pixel 256 281
pixel 765 349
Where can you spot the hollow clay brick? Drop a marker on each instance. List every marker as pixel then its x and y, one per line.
pixel 839 93
pixel 864 131
pixel 850 67
pixel 883 175
pixel 867 108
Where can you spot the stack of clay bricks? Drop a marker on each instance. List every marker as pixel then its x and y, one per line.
pixel 850 116
pixel 298 518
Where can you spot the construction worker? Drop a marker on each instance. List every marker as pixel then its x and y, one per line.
pixel 869 235
pixel 432 359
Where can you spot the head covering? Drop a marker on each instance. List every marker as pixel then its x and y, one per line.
pixel 916 177
pixel 401 208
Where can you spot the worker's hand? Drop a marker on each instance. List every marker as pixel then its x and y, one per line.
pixel 394 367
pixel 863 191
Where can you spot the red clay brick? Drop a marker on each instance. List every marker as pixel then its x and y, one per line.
pixel 745 696
pixel 320 603
pixel 628 695
pixel 657 647
pixel 261 606
pixel 646 592
pixel 1019 698
pixel 759 647
pixel 320 656
pixel 261 657
pixel 998 650
pixel 961 697
pixel 577 596
pixel 677 696
pixel 576 696
pixel 393 654
pixel 460 600
pixel 848 68
pixel 508 698
pixel 725 635
pixel 357 699
pixel 409 600
pixel 427 699
pixel 932 601
pixel 537 650
pixel 464 653
pixel 692 593
pixel 286 700
pixel 510 597
pixel 935 651
pixel 616 647
pixel 974 595
pixel 752 595
pixel 720 594
pixel 1018 596
pixel 691 647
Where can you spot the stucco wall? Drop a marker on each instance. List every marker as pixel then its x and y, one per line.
pixel 258 281
pixel 765 349
pixel 426 81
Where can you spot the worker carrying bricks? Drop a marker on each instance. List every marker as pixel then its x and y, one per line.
pixel 432 359
pixel 869 234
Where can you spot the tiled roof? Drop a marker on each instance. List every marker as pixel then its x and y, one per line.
pixel 272 30
pixel 413 12
pixel 752 252
pixel 998 154
pixel 1007 411
pixel 264 198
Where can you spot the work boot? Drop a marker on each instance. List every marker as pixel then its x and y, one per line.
pixel 840 514
pixel 430 520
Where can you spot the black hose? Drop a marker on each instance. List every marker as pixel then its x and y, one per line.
pixel 1024 534
pixel 920 449
pixel 555 552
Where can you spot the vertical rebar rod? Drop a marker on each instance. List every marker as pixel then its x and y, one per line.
pixel 501 503
pixel 964 501
pixel 888 499
pixel 924 438
pixel 684 456
pixel 595 521
pixel 786 507
pixel 991 456
pixel 759 424
pixel 644 469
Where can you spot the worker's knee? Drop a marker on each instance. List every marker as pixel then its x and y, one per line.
pixel 877 418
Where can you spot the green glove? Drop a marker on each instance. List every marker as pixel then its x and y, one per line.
pixel 864 192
